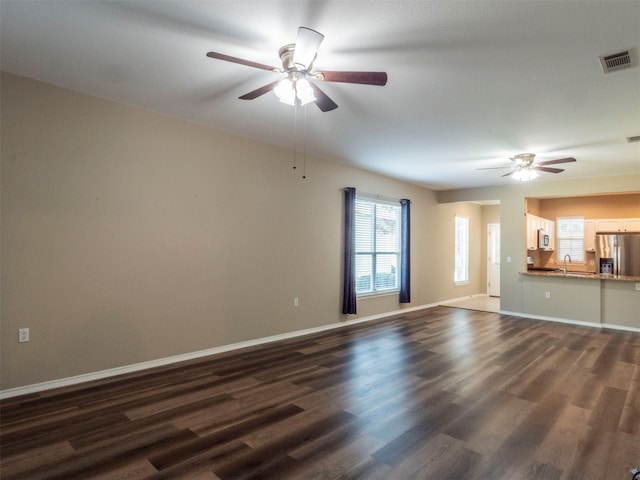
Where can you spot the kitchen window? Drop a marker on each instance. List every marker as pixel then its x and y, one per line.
pixel 461 268
pixel 377 246
pixel 570 238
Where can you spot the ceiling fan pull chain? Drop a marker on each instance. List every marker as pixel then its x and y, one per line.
pixel 304 143
pixel 295 134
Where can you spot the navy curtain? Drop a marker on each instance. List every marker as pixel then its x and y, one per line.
pixel 405 257
pixel 349 277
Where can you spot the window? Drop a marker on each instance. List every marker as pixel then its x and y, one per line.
pixel 571 238
pixel 461 270
pixel 377 246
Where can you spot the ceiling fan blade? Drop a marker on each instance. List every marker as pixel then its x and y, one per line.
pixel 560 160
pixel 323 101
pixel 259 91
pixel 366 78
pixel 307 43
pixel 548 169
pixel 510 173
pixel 494 168
pixel 241 61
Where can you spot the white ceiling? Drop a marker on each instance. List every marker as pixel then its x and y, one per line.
pixel 471 83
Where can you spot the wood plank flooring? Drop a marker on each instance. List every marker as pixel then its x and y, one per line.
pixel 442 393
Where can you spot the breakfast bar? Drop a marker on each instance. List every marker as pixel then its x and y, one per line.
pixel 580 297
pixel 589 275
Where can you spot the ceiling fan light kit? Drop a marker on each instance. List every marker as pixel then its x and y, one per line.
pixel 525 170
pixel 297 63
pixel 292 90
pixel 524 174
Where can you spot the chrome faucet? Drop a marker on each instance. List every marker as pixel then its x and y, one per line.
pixel 565 263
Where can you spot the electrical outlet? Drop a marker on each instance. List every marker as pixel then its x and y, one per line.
pixel 547 294
pixel 23 335
pixel 638 287
pixel 295 301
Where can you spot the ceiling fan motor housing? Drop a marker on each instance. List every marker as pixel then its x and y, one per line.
pixel 524 159
pixel 286 56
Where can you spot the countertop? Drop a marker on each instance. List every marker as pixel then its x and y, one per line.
pixel 593 276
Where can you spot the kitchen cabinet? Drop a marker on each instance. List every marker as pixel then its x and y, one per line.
pixel 549 226
pixel 534 224
pixel 631 224
pixel 589 235
pixel 608 225
pixel 617 225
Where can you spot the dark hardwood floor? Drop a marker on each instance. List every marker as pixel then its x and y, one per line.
pixel 443 393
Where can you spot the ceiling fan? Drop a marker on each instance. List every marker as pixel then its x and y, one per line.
pixel 297 65
pixel 525 169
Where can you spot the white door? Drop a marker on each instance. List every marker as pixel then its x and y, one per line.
pixel 493 259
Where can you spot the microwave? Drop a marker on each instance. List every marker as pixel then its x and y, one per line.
pixel 543 239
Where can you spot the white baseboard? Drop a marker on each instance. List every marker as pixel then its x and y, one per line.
pixel 112 372
pixel 466 297
pixel 571 322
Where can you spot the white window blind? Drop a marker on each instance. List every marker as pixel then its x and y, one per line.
pixel 461 269
pixel 377 246
pixel 570 238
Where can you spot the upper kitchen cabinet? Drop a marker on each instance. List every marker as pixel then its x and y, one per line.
pixel 617 225
pixel 534 225
pixel 549 227
pixel 589 235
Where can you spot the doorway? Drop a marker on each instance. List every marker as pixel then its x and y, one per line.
pixel 493 259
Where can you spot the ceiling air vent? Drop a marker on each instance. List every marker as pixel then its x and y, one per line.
pixel 619 61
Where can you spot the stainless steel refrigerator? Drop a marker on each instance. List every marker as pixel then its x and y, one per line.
pixel 618 254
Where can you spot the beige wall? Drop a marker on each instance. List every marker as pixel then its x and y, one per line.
pixel 129 236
